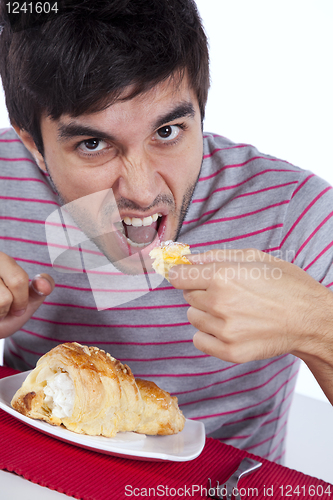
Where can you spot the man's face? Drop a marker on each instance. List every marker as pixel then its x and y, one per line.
pixel 144 153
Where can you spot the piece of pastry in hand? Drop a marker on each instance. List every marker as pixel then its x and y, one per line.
pixel 169 254
pixel 90 392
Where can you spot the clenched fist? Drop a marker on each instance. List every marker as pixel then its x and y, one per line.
pixel 19 299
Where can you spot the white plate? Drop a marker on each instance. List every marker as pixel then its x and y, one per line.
pixel 181 447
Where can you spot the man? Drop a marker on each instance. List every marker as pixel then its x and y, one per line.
pixel 110 98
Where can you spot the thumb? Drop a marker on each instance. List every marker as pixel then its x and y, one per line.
pixel 40 287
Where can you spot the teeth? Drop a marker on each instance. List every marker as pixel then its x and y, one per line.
pixel 137 222
pixel 134 244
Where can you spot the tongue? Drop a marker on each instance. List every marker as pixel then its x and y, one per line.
pixel 143 234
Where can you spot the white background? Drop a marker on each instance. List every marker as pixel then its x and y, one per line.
pixel 272 84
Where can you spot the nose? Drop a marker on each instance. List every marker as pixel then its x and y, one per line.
pixel 139 181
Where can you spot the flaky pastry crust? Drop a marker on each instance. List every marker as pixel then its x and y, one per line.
pixel 107 397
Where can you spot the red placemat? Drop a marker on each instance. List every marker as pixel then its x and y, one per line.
pixel 90 475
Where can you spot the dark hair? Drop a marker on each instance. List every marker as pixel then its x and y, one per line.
pixel 81 60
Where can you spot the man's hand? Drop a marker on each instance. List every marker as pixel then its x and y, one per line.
pixel 18 299
pixel 248 305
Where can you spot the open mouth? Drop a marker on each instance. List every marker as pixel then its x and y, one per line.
pixel 141 232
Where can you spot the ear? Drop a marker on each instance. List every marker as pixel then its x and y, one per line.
pixel 31 146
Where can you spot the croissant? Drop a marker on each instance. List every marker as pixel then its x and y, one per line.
pixel 169 254
pixel 90 392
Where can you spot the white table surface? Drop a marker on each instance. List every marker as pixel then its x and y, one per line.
pixel 13 486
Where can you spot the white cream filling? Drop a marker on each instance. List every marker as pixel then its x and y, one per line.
pixel 60 394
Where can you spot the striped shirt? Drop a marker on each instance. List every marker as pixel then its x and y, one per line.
pixel 243 199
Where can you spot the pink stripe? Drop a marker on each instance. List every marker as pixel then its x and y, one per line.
pixel 29 200
pixel 5 131
pixel 271 249
pixel 15 354
pixel 124 360
pixel 115 308
pixel 276 459
pixel 146 375
pixel 217 242
pixel 20 348
pixel 240 392
pixel 22 240
pixel 33 179
pixel 303 214
pixel 260 415
pixel 82 289
pixel 267 422
pixel 311 236
pixel 328 286
pixel 105 290
pixel 34 262
pixel 18 159
pixel 234 438
pixel 302 184
pixel 34 334
pixel 84 251
pixel 225 188
pixel 237 165
pixel 275 447
pixel 171 325
pixel 59 224
pixel 267 439
pixel 248 214
pixel 89 289
pixel 9 140
pixel 23 220
pixel 261 425
pixel 237 146
pixel 78 249
pixel 250 406
pixel 265 189
pixel 144 360
pixel 235 377
pixel 318 256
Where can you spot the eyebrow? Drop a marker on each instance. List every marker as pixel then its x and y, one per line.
pixel 183 110
pixel 68 131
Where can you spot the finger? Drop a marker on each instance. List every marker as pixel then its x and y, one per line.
pixel 197 299
pixel 205 322
pixel 6 299
pixel 195 277
pixel 16 280
pixel 215 347
pixel 41 286
pixel 230 255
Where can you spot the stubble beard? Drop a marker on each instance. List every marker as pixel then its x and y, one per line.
pixel 99 242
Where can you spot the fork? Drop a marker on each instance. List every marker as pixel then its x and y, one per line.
pixel 228 489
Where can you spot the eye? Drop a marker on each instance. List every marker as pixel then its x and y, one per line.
pixel 168 133
pixel 91 145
